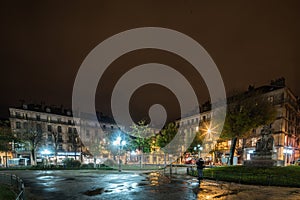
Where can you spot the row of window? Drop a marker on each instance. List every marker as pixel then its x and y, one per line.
pixel 38 127
pixel 193 121
pixel 50 128
pixel 59 148
pixel 59 130
pixel 38 118
pixel 58 120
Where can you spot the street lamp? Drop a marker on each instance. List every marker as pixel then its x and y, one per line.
pixel 199 148
pixel 208 131
pixel 46 153
pixel 119 142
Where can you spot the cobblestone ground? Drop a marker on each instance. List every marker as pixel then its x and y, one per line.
pixel 92 184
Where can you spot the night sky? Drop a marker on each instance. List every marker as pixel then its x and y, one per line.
pixel 43 44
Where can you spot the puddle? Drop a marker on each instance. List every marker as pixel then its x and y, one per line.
pixel 69 179
pixel 94 192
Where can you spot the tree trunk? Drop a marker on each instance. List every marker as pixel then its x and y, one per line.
pixel 55 155
pixel 232 150
pixel 6 159
pixel 33 157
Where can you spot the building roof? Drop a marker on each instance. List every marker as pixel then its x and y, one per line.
pixel 63 112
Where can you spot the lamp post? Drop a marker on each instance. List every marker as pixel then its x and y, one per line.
pixel 46 154
pixel 198 148
pixel 119 142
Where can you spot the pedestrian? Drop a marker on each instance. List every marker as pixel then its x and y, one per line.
pixel 200 167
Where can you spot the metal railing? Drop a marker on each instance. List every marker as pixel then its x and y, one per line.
pixel 15 182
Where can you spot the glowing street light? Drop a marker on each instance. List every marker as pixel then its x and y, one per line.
pixel 46 154
pixel 208 131
pixel 199 148
pixel 120 143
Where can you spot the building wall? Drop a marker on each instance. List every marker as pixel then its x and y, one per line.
pixel 5 156
pixel 286 129
pixel 68 129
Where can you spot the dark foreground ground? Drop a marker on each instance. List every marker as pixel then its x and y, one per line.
pixel 91 184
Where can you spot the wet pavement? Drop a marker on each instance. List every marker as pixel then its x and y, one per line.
pixel 93 184
pixel 233 191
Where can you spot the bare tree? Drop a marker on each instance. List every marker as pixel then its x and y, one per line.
pixel 55 141
pixel 75 140
pixel 33 136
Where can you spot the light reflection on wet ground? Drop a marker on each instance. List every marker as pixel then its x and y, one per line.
pixel 103 185
pixel 93 184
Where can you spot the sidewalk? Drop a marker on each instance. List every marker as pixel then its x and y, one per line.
pixel 232 191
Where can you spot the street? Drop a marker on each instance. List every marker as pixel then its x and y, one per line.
pixel 93 184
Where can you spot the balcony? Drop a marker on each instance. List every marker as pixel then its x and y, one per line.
pixel 43 120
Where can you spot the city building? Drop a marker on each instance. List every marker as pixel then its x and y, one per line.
pixel 55 134
pixel 6 142
pixel 5 156
pixel 285 129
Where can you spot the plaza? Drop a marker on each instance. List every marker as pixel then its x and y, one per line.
pixel 121 99
pixel 93 184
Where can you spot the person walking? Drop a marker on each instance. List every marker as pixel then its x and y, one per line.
pixel 200 167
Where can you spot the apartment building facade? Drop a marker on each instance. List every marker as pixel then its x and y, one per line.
pixel 58 134
pixel 285 129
